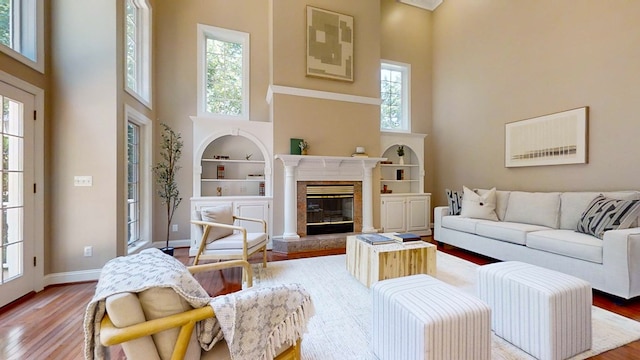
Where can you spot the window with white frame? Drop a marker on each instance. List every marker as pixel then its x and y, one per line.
pixel 138 49
pixel 223 73
pixel 22 31
pixel 395 109
pixel 138 205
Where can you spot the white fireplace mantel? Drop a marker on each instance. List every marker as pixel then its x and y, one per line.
pixel 327 168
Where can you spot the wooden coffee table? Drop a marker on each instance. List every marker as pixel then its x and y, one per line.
pixel 371 263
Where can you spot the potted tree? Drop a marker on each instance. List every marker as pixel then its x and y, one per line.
pixel 165 171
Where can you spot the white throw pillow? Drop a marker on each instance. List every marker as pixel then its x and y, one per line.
pixel 479 206
pixel 221 214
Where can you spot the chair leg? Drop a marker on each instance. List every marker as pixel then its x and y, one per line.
pixel 264 257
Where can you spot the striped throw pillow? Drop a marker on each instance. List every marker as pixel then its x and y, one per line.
pixel 454 198
pixel 605 214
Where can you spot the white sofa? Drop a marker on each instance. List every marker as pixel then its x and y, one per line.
pixel 539 228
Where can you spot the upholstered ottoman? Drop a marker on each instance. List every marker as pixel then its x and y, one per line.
pixel 420 317
pixel 543 312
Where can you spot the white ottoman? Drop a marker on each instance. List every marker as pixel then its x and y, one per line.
pixel 543 312
pixel 420 317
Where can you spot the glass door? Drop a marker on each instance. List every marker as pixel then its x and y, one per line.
pixel 18 198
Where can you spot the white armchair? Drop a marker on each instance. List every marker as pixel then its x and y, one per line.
pixel 223 239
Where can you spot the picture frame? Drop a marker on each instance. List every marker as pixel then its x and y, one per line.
pixel 329 44
pixel 555 139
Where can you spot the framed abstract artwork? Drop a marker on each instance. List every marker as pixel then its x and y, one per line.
pixel 329 44
pixel 555 139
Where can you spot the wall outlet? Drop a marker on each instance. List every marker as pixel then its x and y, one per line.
pixel 88 251
pixel 174 227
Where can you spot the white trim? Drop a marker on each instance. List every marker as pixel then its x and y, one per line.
pixel 405 70
pixel 72 277
pixel 38 63
pixel 145 42
pixel 146 179
pixel 287 90
pixel 38 93
pixel 172 243
pixel 207 31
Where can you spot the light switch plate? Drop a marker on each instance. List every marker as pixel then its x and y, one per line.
pixel 83 181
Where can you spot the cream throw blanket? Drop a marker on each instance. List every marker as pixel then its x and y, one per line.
pixel 254 322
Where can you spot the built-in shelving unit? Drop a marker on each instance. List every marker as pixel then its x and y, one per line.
pixel 232 162
pixel 404 206
pixel 223 172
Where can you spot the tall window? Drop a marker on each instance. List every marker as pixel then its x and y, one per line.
pixel 139 187
pixel 21 31
pixel 395 113
pixel 223 73
pixel 133 183
pixel 138 49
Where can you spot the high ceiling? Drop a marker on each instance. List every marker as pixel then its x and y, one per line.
pixel 425 4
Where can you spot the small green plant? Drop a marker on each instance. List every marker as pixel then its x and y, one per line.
pixel 166 170
pixel 400 150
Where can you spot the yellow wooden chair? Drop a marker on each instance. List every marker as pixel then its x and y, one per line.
pixel 136 333
pixel 223 238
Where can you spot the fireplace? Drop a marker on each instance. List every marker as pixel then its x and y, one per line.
pixel 329 209
pixel 301 171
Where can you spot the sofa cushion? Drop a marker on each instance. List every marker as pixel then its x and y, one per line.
pixel 502 200
pixel 536 208
pixel 454 199
pixel 567 243
pixel 479 206
pixel 573 204
pixel 460 224
pixel 507 231
pixel 605 213
pixel 222 214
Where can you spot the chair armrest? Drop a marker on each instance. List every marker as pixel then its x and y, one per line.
pixel 264 223
pixel 224 265
pixel 112 335
pixel 212 224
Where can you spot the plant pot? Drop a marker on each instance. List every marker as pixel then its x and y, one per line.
pixel 167 250
pixel 401 162
pixel 303 152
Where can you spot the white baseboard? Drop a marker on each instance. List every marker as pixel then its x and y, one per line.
pixel 71 277
pixel 173 243
pixel 94 274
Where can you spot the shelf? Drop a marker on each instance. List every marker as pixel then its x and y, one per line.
pixel 232 180
pixel 398 165
pixel 234 161
pixel 399 181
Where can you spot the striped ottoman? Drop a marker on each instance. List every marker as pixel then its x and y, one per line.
pixel 543 312
pixel 420 317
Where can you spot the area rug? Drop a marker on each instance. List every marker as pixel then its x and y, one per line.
pixel 341 327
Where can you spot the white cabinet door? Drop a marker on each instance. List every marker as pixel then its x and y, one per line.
pixel 418 213
pixel 393 214
pixel 252 209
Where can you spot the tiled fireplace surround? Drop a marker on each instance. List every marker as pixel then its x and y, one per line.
pixel 304 170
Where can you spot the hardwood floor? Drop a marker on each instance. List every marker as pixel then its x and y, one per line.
pixel 48 325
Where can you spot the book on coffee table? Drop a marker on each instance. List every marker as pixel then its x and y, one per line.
pixel 406 238
pixel 375 239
